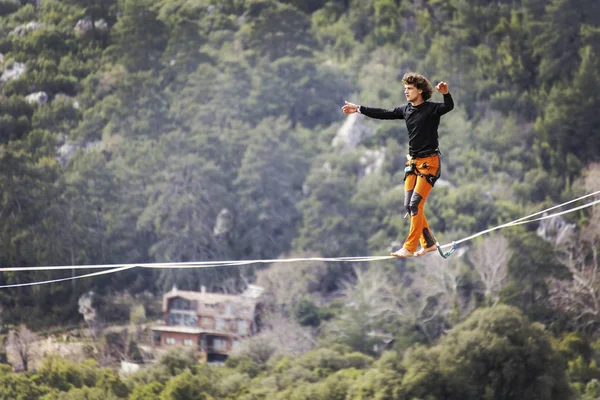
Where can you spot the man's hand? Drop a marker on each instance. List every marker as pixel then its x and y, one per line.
pixel 349 108
pixel 442 87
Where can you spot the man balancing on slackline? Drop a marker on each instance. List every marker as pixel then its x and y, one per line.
pixel 423 168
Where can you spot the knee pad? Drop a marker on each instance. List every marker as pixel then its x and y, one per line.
pixel 415 200
pixel 407 197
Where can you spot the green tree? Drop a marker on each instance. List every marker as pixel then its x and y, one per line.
pixel 557 41
pixel 188 26
pixel 88 189
pixel 26 183
pixel 177 361
pixel 84 393
pixel 307 92
pixel 19 386
pixel 327 215
pixel 60 374
pixel 9 6
pixel 217 97
pixel 15 118
pixel 109 381
pixel 138 37
pixel 133 105
pixel 307 313
pixel 95 11
pixel 495 354
pixel 147 391
pixel 531 263
pixel 576 101
pixel 382 381
pixel 387 20
pixel 187 192
pixel 186 386
pixel 592 390
pixel 268 186
pixel 275 30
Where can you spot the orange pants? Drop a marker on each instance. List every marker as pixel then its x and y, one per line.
pixel 416 190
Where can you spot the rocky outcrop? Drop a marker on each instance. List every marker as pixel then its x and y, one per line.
pixel 352 133
pixel 65 153
pixel 224 223
pixel 84 26
pixel 39 98
pixel 12 71
pixel 67 150
pixel 28 27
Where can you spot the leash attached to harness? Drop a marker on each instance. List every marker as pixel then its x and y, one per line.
pixel 445 254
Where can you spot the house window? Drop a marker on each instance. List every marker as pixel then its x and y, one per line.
pixel 190 320
pixel 188 342
pixel 242 327
pixel 181 304
pixel 235 344
pixel 220 344
pixel 179 319
pixel 228 309
pixel 170 340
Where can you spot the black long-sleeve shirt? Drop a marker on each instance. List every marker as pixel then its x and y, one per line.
pixel 422 122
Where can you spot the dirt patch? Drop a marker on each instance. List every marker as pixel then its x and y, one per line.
pixel 72 351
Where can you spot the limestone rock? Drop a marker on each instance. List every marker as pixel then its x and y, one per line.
pixel 84 26
pixel 224 223
pixel 39 98
pixel 65 153
pixel 352 133
pixel 67 150
pixel 28 27
pixel 101 25
pixel 13 71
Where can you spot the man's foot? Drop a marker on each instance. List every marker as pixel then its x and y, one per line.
pixel 403 253
pixel 424 251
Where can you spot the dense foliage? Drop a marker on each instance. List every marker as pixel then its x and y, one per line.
pixel 494 354
pixel 179 130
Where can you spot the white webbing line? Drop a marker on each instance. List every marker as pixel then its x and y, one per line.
pixel 192 264
pixel 199 264
pixel 522 221
pixel 112 268
pixel 110 271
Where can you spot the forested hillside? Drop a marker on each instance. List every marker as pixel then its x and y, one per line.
pixel 176 130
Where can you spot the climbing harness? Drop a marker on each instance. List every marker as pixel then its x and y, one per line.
pixel 411 168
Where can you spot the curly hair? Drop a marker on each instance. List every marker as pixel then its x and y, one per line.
pixel 420 82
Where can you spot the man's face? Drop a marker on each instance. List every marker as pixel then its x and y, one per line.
pixel 411 93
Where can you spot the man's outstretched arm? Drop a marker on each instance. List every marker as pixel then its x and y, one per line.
pixel 378 113
pixel 448 104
